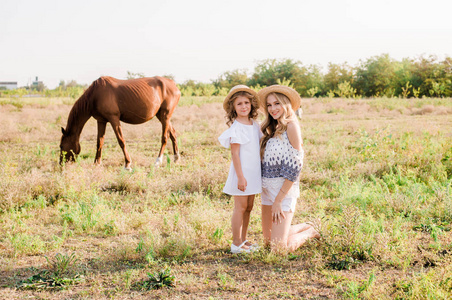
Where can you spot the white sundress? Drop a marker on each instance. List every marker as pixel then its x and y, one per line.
pixel 248 136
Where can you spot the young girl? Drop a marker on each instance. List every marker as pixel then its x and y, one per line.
pixel 244 180
pixel 282 159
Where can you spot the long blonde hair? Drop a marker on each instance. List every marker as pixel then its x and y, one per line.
pixel 273 128
pixel 231 114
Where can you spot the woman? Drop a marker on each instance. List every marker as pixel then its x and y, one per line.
pixel 282 159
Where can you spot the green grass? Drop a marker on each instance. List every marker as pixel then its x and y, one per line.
pixel 377 179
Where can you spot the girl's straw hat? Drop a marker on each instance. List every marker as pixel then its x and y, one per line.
pixel 236 89
pixel 294 97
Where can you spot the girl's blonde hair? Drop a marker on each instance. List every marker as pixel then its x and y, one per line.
pixel 231 114
pixel 273 128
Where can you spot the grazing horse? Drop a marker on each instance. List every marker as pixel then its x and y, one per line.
pixel 110 100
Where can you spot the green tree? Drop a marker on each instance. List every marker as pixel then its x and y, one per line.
pixel 403 78
pixel 336 74
pixel 268 71
pixel 432 77
pixel 230 79
pixel 375 76
pixel 312 80
pixel 345 90
pixel 72 83
pixel 303 78
pixel 447 67
pixel 41 87
pixel 169 76
pixel 131 75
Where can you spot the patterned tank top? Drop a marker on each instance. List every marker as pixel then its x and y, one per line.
pixel 281 161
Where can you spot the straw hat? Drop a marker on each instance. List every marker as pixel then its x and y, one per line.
pixel 236 89
pixel 294 97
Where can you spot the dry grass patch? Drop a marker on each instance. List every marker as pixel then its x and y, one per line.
pixel 377 176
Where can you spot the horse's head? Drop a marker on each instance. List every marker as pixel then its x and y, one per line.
pixel 69 146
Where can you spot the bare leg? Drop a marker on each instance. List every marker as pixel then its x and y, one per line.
pixel 122 143
pixel 280 232
pixel 240 206
pixel 101 126
pixel 294 229
pixel 298 239
pixel 267 223
pixel 246 216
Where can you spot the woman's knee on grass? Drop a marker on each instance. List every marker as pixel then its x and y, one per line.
pixel 294 229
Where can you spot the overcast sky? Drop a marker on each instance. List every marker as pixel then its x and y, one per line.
pixel 84 39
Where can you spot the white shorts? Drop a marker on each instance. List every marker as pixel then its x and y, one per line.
pixel 268 198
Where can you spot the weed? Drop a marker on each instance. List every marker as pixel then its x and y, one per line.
pixel 157 280
pixel 27 244
pixel 61 263
pixel 47 280
pixel 433 229
pixel 340 264
pixel 217 235
pixel 424 286
pixel 168 162
pixel 59 275
pixel 355 289
pixel 140 246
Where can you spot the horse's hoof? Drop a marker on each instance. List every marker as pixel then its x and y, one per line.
pixel 128 168
pixel 158 161
pixel 176 158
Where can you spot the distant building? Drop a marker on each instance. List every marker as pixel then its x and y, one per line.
pixel 36 83
pixel 8 85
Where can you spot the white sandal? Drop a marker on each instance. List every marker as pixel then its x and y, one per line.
pixel 238 249
pixel 253 247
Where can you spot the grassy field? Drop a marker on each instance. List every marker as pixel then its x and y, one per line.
pixel 377 180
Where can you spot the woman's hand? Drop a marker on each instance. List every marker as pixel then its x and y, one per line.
pixel 242 184
pixel 277 213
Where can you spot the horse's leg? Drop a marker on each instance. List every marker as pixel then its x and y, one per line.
pixel 116 125
pixel 172 134
pixel 163 118
pixel 100 141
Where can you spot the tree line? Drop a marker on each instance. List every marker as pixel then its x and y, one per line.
pixel 374 77
pixel 378 76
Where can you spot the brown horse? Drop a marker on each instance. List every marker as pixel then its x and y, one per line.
pixel 133 101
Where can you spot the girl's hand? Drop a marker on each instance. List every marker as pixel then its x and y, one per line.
pixel 277 213
pixel 242 184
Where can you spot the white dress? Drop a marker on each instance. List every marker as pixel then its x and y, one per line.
pixel 248 136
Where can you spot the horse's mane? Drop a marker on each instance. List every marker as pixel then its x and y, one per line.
pixel 84 104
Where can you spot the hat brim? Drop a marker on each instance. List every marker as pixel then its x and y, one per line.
pixel 294 97
pixel 236 89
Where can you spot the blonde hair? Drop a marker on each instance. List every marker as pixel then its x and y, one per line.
pixel 231 114
pixel 274 128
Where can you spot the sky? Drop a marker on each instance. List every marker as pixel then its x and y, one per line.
pixel 200 40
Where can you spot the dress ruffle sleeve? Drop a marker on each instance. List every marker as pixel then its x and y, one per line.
pixel 233 135
pixel 260 134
